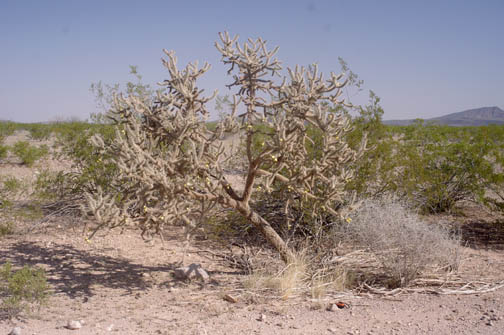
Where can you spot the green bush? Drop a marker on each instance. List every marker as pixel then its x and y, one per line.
pixel 93 168
pixel 7 128
pixel 441 166
pixel 11 185
pixel 431 166
pixel 39 131
pixel 375 171
pixel 22 290
pixel 29 154
pixel 3 151
pixel 6 228
pixel 9 188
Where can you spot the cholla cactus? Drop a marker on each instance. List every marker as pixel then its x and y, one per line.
pixel 172 165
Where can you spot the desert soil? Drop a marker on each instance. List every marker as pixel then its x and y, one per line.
pixel 118 283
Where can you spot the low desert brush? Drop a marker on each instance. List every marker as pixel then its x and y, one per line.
pixel 21 290
pixel 29 154
pixel 403 244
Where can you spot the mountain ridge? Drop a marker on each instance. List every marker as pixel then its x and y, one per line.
pixel 472 117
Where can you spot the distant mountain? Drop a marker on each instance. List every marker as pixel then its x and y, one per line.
pixel 472 117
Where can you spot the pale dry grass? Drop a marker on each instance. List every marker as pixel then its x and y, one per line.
pixel 287 282
pixel 401 241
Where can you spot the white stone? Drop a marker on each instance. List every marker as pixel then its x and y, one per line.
pixel 191 271
pixel 74 325
pixel 15 331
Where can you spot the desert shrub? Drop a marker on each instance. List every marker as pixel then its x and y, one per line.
pixel 287 281
pixel 50 185
pixel 90 169
pixel 27 153
pixel 39 131
pixel 7 128
pixel 433 167
pixel 3 150
pixel 402 243
pixel 171 165
pixel 22 290
pixel 10 188
pixel 62 191
pixel 495 197
pixel 6 227
pixel 11 185
pixel 376 170
pixel 440 166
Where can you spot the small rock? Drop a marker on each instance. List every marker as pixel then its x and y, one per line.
pixel 192 271
pixel 332 330
pixel 332 308
pixel 230 298
pixel 262 318
pixel 489 323
pixel 109 328
pixel 73 325
pixel 15 331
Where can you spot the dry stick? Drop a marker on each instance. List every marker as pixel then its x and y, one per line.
pixel 484 289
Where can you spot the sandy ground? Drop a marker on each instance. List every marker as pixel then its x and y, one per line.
pixel 121 284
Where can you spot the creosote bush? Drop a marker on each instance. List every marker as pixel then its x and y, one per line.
pixel 172 166
pixel 21 290
pixel 3 151
pixel 432 167
pixel 402 243
pixel 29 154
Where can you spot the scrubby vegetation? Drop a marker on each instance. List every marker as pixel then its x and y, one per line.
pixel 22 290
pixel 28 154
pixel 402 243
pixel 317 172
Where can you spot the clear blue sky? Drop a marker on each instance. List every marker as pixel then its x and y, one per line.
pixel 423 58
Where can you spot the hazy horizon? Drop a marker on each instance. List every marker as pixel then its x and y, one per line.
pixel 423 59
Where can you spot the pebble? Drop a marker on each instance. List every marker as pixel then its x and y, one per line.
pixel 262 317
pixel 74 325
pixel 332 308
pixel 15 331
pixel 192 271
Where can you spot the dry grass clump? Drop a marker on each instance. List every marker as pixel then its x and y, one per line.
pixel 304 276
pixel 401 242
pixel 286 282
